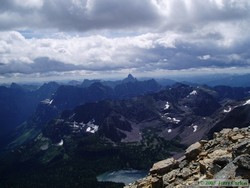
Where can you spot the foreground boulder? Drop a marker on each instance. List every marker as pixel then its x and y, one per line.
pixel 163 166
pixel 226 156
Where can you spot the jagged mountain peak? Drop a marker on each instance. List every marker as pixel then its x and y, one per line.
pixel 87 82
pixel 130 78
pixel 15 86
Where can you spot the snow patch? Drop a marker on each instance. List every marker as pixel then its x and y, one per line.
pixel 247 102
pixel 167 106
pixel 60 143
pixel 194 92
pixel 92 128
pixel 195 128
pixel 88 129
pixel 47 101
pixel 227 110
pixel 75 125
pixel 78 127
pixel 174 120
pixel 169 118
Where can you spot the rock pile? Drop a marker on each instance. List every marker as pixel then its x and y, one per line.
pixel 226 156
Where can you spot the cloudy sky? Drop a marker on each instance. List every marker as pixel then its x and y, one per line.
pixel 55 39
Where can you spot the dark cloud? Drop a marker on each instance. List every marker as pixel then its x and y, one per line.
pixel 84 15
pixel 46 65
pixel 78 15
pixel 113 13
pixel 40 65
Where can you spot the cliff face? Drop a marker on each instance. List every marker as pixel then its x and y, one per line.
pixel 226 156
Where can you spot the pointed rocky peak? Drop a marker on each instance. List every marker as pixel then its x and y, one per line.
pixel 87 82
pixel 15 86
pixel 49 85
pixel 130 78
pixel 97 85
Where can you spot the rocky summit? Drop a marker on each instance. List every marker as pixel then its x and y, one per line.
pixel 226 156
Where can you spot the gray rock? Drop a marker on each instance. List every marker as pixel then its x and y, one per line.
pixel 194 165
pixel 243 161
pixel 203 168
pixel 236 137
pixel 222 161
pixel 228 172
pixel 225 131
pixel 156 182
pixel 169 177
pixel 185 173
pixel 242 148
pixel 214 168
pixel 164 166
pixel 183 164
pixel 227 156
pixel 193 150
pixel 235 129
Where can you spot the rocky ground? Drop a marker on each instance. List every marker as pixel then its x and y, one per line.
pixel 226 156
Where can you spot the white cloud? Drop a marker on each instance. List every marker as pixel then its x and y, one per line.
pixel 111 35
pixel 204 57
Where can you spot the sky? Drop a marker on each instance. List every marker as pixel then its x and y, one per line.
pixel 61 39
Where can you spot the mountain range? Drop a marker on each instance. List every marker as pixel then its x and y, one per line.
pixel 75 132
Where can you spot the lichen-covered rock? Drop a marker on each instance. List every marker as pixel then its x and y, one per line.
pixel 163 166
pixel 225 131
pixel 241 148
pixel 236 137
pixel 185 173
pixel 156 182
pixel 217 153
pixel 170 177
pixel 193 150
pixel 227 156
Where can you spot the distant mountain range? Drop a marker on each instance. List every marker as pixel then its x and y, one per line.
pixel 217 79
pixel 75 132
pixel 20 102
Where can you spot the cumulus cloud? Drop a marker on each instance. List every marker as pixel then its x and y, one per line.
pixel 59 36
pixel 98 53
